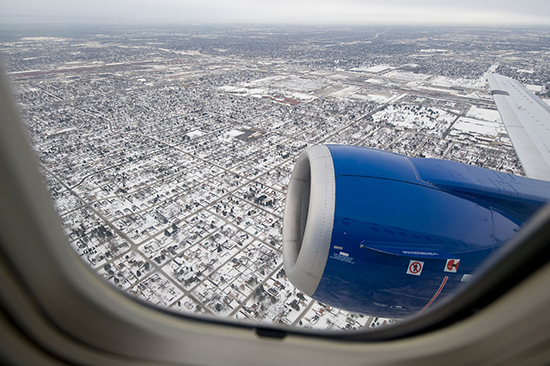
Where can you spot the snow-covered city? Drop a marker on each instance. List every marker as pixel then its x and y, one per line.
pixel 168 150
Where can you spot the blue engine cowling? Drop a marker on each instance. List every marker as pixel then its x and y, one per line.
pixel 383 234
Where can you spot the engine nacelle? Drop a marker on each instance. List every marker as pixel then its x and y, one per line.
pixel 383 234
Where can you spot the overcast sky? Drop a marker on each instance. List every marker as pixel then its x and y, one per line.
pixel 499 12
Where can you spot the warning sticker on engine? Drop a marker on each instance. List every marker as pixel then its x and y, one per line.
pixel 452 265
pixel 415 268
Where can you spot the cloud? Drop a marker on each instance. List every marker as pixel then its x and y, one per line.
pixel 295 11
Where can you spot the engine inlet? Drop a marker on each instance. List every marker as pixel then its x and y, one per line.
pixel 309 218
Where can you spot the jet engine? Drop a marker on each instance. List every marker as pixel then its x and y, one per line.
pixel 383 234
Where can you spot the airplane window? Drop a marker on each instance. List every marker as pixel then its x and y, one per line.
pixel 168 151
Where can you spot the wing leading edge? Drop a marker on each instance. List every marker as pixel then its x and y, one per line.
pixel 527 121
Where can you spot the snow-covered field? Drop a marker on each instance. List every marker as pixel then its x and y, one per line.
pixel 472 125
pixel 490 115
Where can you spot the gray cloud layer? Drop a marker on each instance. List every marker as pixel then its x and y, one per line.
pixel 295 11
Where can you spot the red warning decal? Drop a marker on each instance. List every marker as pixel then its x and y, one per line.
pixel 415 267
pixel 452 265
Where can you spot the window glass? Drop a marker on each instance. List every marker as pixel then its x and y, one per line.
pixel 168 150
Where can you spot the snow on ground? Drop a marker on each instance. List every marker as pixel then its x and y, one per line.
pixel 244 90
pixel 533 88
pixel 300 84
pixel 158 290
pixel 233 89
pixel 378 322
pixel 438 89
pixel 477 95
pixel 407 76
pixel 426 120
pixel 445 82
pixel 376 68
pixel 378 98
pixel 62 130
pixel 294 88
pixel 338 77
pixel 477 126
pixel 326 317
pixel 229 135
pixel 493 68
pixel 257 91
pixel 159 67
pixel 442 81
pixel 434 50
pixel 483 114
pixel 375 81
pixel 346 92
pixel 44 39
pixel 299 96
pixel 196 133
pixel 321 72
pixel 266 80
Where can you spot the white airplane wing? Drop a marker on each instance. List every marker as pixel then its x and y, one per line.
pixel 527 120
